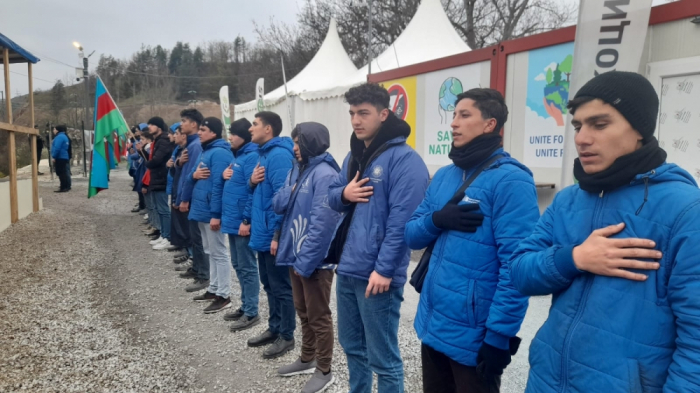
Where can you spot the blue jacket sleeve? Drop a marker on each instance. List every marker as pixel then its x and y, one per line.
pixel 335 190
pixel 538 267
pixel 515 213
pixel 220 161
pixel 408 182
pixel 276 173
pixel 248 169
pixel 281 199
pixel 187 181
pixel 683 289
pixel 322 220
pixel 420 230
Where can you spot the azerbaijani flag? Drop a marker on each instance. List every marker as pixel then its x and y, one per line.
pixel 110 139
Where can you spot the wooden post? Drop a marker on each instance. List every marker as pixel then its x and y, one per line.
pixel 35 159
pixel 14 209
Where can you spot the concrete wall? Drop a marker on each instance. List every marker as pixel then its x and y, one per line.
pixel 24 197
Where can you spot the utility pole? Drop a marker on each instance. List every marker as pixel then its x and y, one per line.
pixel 369 37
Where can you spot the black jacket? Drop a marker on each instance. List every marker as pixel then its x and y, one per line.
pixel 162 153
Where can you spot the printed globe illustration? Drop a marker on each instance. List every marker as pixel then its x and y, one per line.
pixel 449 90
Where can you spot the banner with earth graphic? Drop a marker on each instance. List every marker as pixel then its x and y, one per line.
pixel 441 90
pixel 402 93
pixel 548 78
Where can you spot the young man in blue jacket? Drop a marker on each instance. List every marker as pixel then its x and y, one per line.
pixel 382 182
pixel 179 224
pixel 206 210
pixel 61 157
pixel 190 120
pixel 235 221
pixel 275 162
pixel 307 230
pixel 619 252
pixel 466 349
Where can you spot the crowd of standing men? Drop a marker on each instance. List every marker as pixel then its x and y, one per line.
pixel 616 250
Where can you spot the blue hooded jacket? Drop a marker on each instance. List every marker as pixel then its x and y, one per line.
pixel 194 150
pixel 610 334
pixel 375 235
pixel 59 147
pixel 276 156
pixel 467 296
pixel 308 219
pixel 207 193
pixel 238 196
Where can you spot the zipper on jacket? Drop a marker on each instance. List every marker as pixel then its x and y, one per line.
pixel 581 305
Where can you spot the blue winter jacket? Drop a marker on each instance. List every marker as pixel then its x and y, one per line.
pixel 194 150
pixel 206 194
pixel 467 296
pixel 238 196
pixel 277 158
pixel 375 238
pixel 169 186
pixel 174 174
pixel 607 334
pixel 307 228
pixel 59 147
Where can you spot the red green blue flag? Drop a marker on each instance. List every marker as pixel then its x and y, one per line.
pixel 110 139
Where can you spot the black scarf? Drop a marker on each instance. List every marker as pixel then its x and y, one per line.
pixel 392 127
pixel 476 151
pixel 623 170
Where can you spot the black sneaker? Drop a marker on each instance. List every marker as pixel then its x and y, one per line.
pixel 181 253
pixel 219 304
pixel 266 337
pixel 135 210
pixel 173 248
pixel 180 259
pixel 197 285
pixel 188 274
pixel 234 316
pixel 245 322
pixel 279 348
pixel 153 232
pixel 205 297
pixel 154 236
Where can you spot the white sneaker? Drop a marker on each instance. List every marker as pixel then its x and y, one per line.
pixel 154 242
pixel 145 216
pixel 162 245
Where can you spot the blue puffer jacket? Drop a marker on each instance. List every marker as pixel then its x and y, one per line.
pixel 308 219
pixel 206 194
pixel 59 147
pixel 277 158
pixel 375 237
pixel 467 296
pixel 607 334
pixel 194 150
pixel 238 196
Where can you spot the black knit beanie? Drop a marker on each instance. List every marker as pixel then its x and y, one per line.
pixel 241 128
pixel 214 125
pixel 158 122
pixel 631 94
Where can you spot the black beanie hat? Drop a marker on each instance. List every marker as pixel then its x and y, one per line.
pixel 241 128
pixel 631 94
pixel 158 122
pixel 214 125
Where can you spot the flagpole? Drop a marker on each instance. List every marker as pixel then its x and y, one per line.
pixel 286 93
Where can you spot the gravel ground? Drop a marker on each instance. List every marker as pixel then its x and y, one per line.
pixel 87 306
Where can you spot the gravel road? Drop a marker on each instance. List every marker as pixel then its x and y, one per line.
pixel 87 306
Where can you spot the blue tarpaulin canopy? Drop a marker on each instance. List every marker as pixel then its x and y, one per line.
pixel 17 53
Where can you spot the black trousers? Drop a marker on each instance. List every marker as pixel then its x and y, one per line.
pixel 179 229
pixel 142 201
pixel 443 375
pixel 63 173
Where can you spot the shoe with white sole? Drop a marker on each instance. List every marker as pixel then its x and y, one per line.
pixel 162 245
pixel 145 216
pixel 297 368
pixel 154 242
pixel 319 382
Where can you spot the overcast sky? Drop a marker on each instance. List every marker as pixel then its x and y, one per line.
pixel 47 28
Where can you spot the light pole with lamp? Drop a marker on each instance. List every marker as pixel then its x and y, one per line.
pixel 87 98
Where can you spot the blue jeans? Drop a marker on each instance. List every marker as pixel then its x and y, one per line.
pixel 160 199
pixel 246 267
pixel 152 214
pixel 278 287
pixel 368 331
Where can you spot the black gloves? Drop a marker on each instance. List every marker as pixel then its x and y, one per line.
pixel 456 217
pixel 491 361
